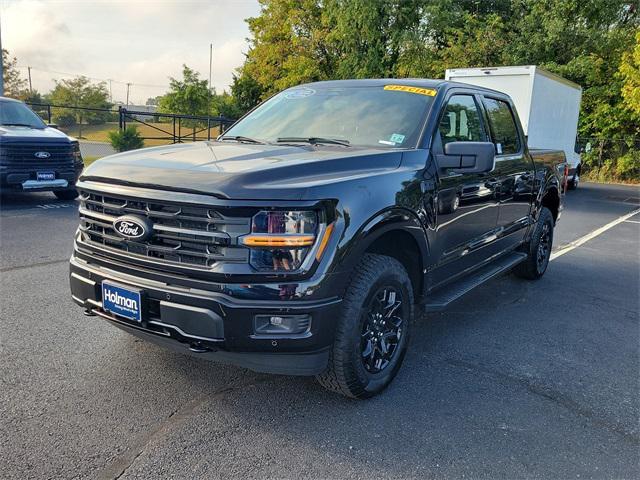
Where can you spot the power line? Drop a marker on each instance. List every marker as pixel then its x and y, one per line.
pixel 97 79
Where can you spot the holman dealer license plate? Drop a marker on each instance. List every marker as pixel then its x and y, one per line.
pixel 122 301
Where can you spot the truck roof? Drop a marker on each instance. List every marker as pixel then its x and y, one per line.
pixel 411 82
pixel 7 99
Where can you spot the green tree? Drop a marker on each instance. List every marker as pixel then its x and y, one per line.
pixel 246 92
pixel 79 92
pixel 127 139
pixel 153 100
pixel 587 41
pixel 629 71
pixel 33 97
pixel 14 85
pixel 225 105
pixel 368 39
pixel 189 95
pixel 288 45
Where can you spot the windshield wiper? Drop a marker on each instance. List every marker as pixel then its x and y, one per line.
pixel 240 138
pixel 18 125
pixel 313 140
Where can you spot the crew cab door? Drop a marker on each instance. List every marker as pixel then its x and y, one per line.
pixel 466 203
pixel 514 170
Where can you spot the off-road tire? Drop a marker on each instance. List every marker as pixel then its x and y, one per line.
pixel 346 373
pixel 70 194
pixel 531 268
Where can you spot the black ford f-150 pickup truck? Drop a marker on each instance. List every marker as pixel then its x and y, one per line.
pixel 34 156
pixel 307 237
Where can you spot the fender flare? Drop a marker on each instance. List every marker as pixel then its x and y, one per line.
pixel 551 182
pixel 383 222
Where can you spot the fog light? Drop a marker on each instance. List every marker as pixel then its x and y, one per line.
pixel 281 324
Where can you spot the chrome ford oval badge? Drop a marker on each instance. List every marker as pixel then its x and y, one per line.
pixel 133 227
pixel 42 154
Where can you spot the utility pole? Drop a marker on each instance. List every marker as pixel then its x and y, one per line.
pixel 30 87
pixel 1 63
pixel 110 94
pixel 210 69
pixel 128 85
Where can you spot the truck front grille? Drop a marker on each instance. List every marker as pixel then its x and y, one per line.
pixel 186 235
pixel 22 155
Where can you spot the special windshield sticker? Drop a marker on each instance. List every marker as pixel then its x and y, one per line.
pixel 299 93
pixel 396 138
pixel 404 88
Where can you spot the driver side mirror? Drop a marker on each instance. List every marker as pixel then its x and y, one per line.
pixel 468 157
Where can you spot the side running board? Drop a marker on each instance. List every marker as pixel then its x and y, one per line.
pixel 441 298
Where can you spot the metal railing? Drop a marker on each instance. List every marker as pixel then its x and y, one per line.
pixel 156 127
pixel 182 127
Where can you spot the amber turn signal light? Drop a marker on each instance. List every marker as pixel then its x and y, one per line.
pixel 324 241
pixel 278 240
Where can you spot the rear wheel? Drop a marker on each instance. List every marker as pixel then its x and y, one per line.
pixel 70 194
pixel 538 249
pixel 573 183
pixel 373 329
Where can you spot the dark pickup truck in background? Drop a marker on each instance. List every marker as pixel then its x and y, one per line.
pixel 307 238
pixel 35 156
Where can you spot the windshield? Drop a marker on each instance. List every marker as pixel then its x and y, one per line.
pixel 383 116
pixel 15 113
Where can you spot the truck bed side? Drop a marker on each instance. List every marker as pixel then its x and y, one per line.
pixel 551 177
pixel 552 159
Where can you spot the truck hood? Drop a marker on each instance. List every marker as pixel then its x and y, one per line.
pixel 242 171
pixel 27 134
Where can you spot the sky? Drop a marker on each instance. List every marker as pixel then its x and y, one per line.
pixel 143 42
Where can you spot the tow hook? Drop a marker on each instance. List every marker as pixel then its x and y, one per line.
pixel 88 313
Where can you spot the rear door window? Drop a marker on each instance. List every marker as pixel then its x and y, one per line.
pixel 504 132
pixel 461 121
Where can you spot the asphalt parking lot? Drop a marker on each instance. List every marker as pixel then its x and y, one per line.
pixel 517 380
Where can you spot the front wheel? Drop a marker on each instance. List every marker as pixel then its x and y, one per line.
pixel 372 330
pixel 70 194
pixel 538 249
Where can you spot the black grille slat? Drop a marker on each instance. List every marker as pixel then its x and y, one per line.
pixel 129 207
pixel 185 235
pixel 60 155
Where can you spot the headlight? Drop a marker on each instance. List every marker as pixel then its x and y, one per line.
pixel 77 156
pixel 280 241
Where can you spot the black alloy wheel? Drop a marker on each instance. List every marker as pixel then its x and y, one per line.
pixel 544 248
pixel 382 329
pixel 538 248
pixel 372 330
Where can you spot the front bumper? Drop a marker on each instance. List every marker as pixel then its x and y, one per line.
pixel 25 178
pixel 218 324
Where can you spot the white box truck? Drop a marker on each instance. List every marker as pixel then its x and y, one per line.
pixel 547 104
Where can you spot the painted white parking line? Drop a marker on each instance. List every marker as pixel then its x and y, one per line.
pixel 631 221
pixel 582 240
pixel 49 206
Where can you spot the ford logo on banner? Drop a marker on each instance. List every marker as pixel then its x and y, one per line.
pixel 133 227
pixel 42 154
